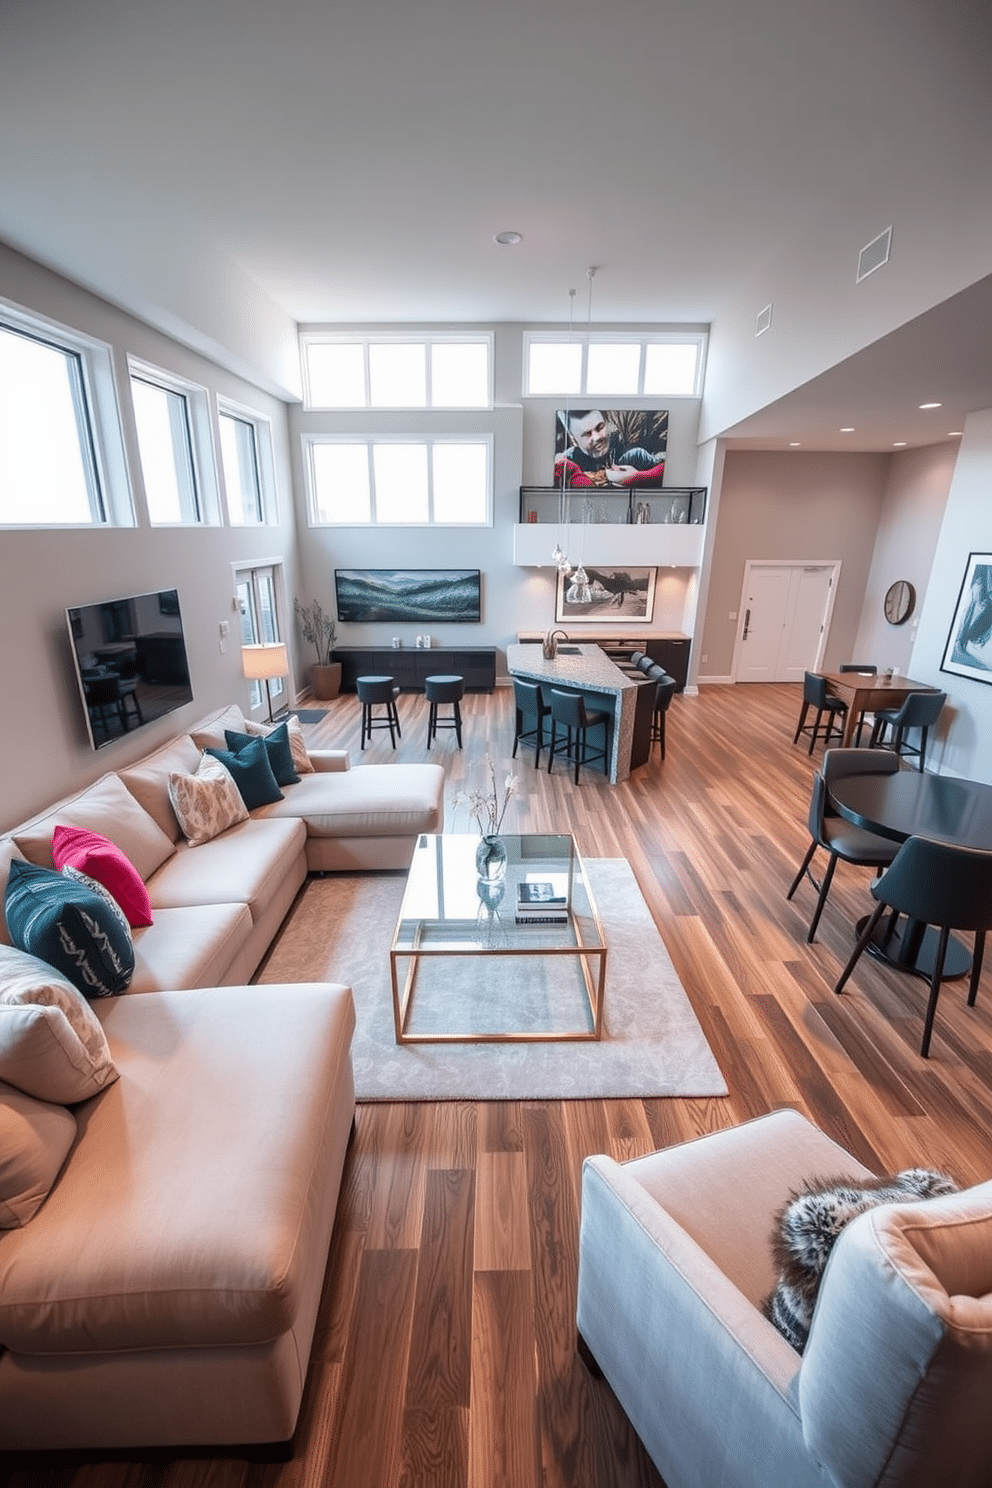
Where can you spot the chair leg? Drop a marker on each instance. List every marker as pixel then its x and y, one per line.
pixel 923 746
pixel 976 967
pixel 863 940
pixel 802 720
pixel 802 869
pixel 431 722
pixel 938 972
pixel 816 729
pixel 458 723
pixel 551 746
pixel 821 901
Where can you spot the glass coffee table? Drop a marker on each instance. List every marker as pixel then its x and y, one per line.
pixel 476 970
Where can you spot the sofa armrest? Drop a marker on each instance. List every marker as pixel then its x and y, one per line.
pixel 324 760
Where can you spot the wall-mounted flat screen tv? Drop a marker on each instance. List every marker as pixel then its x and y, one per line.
pixel 131 665
pixel 409 594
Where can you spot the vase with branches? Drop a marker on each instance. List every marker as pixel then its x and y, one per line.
pixel 317 629
pixel 488 807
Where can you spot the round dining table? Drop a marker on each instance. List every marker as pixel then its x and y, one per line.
pixel 909 804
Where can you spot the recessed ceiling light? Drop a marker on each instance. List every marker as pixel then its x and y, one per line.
pixel 899 444
pixel 794 444
pixel 931 405
pixel 954 433
pixel 508 238
pixel 849 429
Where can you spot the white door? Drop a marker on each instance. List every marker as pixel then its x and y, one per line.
pixel 785 615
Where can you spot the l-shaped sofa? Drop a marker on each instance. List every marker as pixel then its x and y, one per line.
pixel 166 1290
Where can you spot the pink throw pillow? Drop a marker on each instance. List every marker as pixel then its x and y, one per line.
pixel 99 858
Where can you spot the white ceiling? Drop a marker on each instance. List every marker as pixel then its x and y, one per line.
pixel 351 160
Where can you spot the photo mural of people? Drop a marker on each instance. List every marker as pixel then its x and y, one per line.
pixel 610 447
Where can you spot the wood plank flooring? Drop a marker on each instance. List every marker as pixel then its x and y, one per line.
pixel 445 1349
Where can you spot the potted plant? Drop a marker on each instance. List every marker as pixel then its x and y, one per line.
pixel 319 631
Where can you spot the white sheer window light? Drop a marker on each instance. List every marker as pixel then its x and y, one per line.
pixel 460 374
pixel 166 449
pixel 240 457
pixel 398 375
pixel 613 367
pixel 554 367
pixel 335 374
pixel 399 482
pixel 460 481
pixel 401 493
pixel 48 472
pixel 340 485
pixel 671 367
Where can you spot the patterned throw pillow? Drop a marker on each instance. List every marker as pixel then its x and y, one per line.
pixel 206 803
pixel 302 762
pixel 807 1226
pixel 252 773
pixel 276 747
pixel 52 1045
pixel 71 922
pixel 99 858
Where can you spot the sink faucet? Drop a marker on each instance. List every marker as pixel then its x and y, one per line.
pixel 550 647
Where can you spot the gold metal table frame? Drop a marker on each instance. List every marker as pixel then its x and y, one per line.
pixel 443 914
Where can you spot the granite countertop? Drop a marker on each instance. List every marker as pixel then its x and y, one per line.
pixel 590 668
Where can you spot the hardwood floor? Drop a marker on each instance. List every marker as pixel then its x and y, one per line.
pixel 445 1349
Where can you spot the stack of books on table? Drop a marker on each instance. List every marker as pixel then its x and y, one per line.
pixel 542 899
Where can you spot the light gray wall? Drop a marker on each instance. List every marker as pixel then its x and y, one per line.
pixel 793 506
pixel 44 751
pixel 909 526
pixel 965 730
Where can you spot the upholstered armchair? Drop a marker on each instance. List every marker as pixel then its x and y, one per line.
pixel 895 1385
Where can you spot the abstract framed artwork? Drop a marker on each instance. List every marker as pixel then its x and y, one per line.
pixel 409 594
pixel 968 652
pixel 607 595
pixel 610 447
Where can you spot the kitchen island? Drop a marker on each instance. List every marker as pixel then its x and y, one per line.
pixel 587 669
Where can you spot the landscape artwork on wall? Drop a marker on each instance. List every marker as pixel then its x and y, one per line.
pixel 968 652
pixel 409 594
pixel 605 595
pixel 610 447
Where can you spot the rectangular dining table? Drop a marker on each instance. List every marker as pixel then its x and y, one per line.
pixel 868 691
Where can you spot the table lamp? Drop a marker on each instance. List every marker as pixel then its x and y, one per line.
pixel 262 663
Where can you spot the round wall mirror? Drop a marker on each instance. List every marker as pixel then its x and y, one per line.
pixel 900 598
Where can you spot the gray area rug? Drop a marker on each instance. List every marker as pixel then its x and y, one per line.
pixel 652 1044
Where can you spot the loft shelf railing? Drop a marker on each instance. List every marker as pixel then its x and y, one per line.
pixel 605 506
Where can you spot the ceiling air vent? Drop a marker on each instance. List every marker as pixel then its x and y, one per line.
pixel 874 255
pixel 763 320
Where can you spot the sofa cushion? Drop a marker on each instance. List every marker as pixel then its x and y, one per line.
pixel 99 858
pixel 182 1218
pixel 207 802
pixel 107 807
pixel 247 864
pixel 252 773
pixel 35 1138
pixel 148 780
pixel 51 1044
pixel 276 747
pixel 367 801
pixel 209 733
pixel 302 762
pixel 199 945
pixel 72 923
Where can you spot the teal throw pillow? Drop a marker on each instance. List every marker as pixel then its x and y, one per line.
pixel 276 747
pixel 73 923
pixel 252 773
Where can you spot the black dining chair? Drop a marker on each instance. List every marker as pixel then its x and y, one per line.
pixel 530 711
pixel 840 838
pixel 815 695
pixel 569 712
pixel 920 711
pixel 865 668
pixel 933 883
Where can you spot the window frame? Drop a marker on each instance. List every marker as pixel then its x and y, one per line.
pixel 403 338
pixel 311 439
pixel 264 462
pixel 98 418
pixel 200 435
pixel 535 337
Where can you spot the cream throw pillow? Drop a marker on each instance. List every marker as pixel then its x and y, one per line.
pixel 52 1045
pixel 206 803
pixel 35 1139
pixel 297 744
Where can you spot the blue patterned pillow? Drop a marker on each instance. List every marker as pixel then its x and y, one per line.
pixel 276 747
pixel 252 773
pixel 74 924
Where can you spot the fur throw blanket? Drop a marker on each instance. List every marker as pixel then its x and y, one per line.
pixel 809 1223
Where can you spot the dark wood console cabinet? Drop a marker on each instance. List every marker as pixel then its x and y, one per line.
pixel 410 668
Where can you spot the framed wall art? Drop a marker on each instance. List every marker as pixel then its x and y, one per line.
pixel 605 595
pixel 612 448
pixel 968 652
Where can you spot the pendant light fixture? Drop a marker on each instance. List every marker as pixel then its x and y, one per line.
pixel 559 555
pixel 580 579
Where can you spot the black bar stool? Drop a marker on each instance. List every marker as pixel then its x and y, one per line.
pixel 373 691
pixel 444 689
pixel 530 712
pixel 568 709
pixel 665 689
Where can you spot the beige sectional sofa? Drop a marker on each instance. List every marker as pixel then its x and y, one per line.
pixel 165 1292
